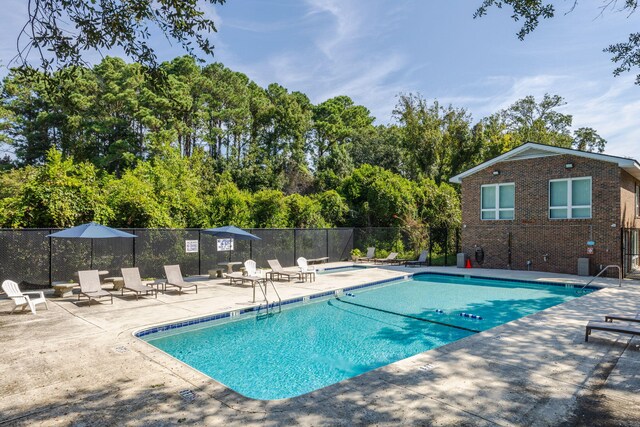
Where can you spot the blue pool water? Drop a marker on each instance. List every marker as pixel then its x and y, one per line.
pixel 341 270
pixel 310 346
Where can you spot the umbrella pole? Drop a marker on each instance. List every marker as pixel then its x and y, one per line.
pixel 91 257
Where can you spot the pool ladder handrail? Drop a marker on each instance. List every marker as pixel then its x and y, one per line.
pixel 264 293
pixel 602 271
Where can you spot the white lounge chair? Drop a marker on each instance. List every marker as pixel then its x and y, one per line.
pixel 133 282
pixel 90 286
pixel 174 278
pixel 306 270
pixel 22 299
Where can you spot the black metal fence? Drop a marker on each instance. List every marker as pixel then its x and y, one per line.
pixel 27 255
pixel 631 251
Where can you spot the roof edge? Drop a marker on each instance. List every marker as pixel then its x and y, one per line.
pixel 630 165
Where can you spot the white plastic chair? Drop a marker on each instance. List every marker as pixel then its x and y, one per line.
pixel 304 266
pixel 22 299
pixel 250 268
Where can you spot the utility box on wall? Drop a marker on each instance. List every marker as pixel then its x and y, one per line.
pixel 461 260
pixel 583 266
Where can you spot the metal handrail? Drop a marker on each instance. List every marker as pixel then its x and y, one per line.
pixel 264 293
pixel 602 271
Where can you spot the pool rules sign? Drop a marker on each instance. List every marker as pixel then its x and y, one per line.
pixel 191 246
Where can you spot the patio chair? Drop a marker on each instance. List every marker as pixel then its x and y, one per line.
pixel 390 259
pixel 22 299
pixel 612 317
pixel 371 253
pixel 174 278
pixel 595 325
pixel 250 275
pixel 422 260
pixel 90 286
pixel 133 282
pixel 306 270
pixel 277 272
pixel 250 268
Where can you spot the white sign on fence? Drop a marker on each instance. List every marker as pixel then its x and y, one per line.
pixel 225 245
pixel 191 246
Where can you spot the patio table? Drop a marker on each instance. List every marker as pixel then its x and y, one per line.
pixel 230 265
pixel 64 289
pixel 118 282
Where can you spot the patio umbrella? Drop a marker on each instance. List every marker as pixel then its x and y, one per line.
pixel 231 232
pixel 91 231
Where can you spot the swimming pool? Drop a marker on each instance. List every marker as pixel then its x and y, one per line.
pixel 310 346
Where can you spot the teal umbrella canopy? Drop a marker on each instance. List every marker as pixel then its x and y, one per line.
pixel 231 232
pixel 91 230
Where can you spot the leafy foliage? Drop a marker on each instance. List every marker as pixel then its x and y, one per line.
pixel 531 12
pixel 62 30
pixel 209 147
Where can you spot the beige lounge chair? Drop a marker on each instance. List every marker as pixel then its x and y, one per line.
pixel 371 253
pixel 422 260
pixel 174 278
pixel 90 286
pixel 133 282
pixel 390 259
pixel 277 272
pixel 22 299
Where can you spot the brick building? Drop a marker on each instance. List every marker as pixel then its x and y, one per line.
pixel 540 207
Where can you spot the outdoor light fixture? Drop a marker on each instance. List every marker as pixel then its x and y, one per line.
pixel 496 172
pixel 569 166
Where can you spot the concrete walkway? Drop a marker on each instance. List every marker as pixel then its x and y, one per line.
pixel 80 365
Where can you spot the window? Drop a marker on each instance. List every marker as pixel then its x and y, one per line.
pixel 497 201
pixel 570 198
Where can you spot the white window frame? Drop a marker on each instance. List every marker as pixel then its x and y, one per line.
pixel 497 208
pixel 569 206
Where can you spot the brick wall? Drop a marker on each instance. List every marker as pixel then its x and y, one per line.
pixel 533 235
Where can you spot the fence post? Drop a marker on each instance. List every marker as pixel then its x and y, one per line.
pixel 199 252
pixel 430 244
pixel 446 247
pixel 50 272
pixel 134 248
pixel 295 257
pixel 326 230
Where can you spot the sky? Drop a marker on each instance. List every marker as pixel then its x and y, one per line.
pixel 373 50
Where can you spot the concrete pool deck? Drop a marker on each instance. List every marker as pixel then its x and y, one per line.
pixel 80 365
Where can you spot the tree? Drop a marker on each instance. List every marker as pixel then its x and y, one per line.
pixel 437 139
pixel 531 12
pixel 60 31
pixel 529 121
pixel 587 139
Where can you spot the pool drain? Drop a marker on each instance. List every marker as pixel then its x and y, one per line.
pixel 187 395
pixel 121 349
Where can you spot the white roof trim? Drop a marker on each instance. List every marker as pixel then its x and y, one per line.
pixel 629 165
